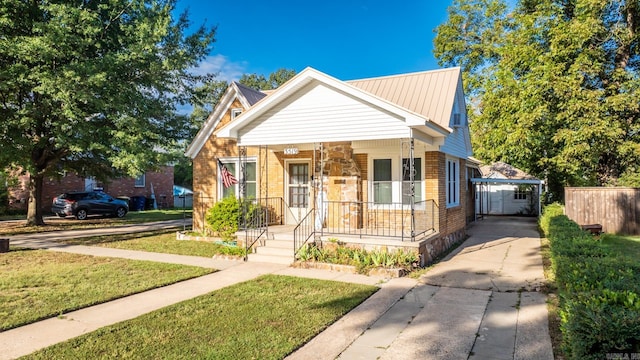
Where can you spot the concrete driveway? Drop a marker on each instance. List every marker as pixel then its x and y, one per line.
pixel 481 302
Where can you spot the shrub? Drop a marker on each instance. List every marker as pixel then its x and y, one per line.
pixel 363 260
pixel 225 217
pixel 599 291
pixel 222 218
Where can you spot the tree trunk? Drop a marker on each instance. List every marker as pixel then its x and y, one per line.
pixel 34 211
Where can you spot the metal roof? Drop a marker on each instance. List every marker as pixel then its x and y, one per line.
pixel 428 93
pixel 252 95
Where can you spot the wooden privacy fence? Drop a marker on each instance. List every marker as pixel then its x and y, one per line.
pixel 616 209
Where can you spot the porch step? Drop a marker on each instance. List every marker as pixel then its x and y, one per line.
pixel 273 259
pixel 277 251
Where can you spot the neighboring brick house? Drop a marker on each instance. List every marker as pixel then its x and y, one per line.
pixel 161 180
pixel 382 159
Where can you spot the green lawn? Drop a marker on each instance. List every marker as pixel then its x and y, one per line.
pixel 133 217
pixel 625 246
pixel 266 318
pixel 161 242
pixel 37 284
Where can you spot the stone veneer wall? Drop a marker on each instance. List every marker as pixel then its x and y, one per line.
pixel 341 182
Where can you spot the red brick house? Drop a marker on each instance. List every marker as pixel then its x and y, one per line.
pixel 161 181
pixel 378 162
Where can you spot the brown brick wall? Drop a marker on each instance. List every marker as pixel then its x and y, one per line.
pixel 162 181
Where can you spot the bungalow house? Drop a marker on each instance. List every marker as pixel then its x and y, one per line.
pixel 374 162
pixel 507 190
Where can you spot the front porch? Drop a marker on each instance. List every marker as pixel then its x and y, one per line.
pixel 362 225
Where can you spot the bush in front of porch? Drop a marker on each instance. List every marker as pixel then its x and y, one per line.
pixel 363 260
pixel 224 218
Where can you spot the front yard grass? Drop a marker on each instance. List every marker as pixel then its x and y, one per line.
pixel 265 318
pixel 38 284
pixel 133 217
pixel 158 242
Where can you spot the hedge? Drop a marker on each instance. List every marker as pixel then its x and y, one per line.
pixel 599 292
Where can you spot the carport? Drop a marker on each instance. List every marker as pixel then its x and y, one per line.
pixel 485 190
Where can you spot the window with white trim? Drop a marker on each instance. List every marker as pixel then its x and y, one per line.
pixel 452 176
pixel 233 166
pixel 520 193
pixel 140 181
pixel 391 187
pixel 235 113
pixel 382 184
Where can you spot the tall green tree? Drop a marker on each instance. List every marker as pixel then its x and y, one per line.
pixel 260 82
pixel 558 90
pixel 92 86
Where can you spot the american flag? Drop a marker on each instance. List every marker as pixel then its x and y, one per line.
pixel 227 177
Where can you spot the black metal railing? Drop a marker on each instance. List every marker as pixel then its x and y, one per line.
pixel 382 220
pixel 303 231
pixel 254 222
pixel 274 206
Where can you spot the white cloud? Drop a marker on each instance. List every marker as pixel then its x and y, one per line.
pixel 222 66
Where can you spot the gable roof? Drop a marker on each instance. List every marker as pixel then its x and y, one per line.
pixel 247 97
pixel 252 96
pixel 503 170
pixel 429 93
pixel 309 75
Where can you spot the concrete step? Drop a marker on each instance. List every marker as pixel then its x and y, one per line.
pixel 273 259
pixel 285 236
pixel 277 251
pixel 279 243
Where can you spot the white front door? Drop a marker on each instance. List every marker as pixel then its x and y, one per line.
pixel 298 190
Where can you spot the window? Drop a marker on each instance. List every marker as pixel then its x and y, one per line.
pixel 235 113
pixel 389 187
pixel 520 193
pixel 406 180
pixel 139 181
pixel 452 176
pixel 382 185
pixel 233 166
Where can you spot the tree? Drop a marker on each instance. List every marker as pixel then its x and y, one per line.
pixel 557 91
pixel 92 86
pixel 260 82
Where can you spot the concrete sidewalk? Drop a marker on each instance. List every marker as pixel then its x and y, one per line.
pixel 481 302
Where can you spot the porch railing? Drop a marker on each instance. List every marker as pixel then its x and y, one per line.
pixel 254 223
pixel 303 231
pixel 275 208
pixel 382 220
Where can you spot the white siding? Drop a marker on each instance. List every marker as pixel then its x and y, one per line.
pixel 458 142
pixel 321 113
pixel 499 200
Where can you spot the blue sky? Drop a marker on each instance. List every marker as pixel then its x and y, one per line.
pixel 348 39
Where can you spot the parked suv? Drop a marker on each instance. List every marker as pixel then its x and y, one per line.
pixel 82 204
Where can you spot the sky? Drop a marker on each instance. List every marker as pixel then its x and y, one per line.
pixel 348 39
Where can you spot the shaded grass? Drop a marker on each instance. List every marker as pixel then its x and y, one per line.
pixel 266 318
pixel 623 246
pixel 160 242
pixel 54 223
pixel 38 284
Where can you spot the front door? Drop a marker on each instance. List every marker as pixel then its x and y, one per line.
pixel 298 189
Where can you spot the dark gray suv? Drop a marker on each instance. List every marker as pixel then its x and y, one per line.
pixel 82 204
